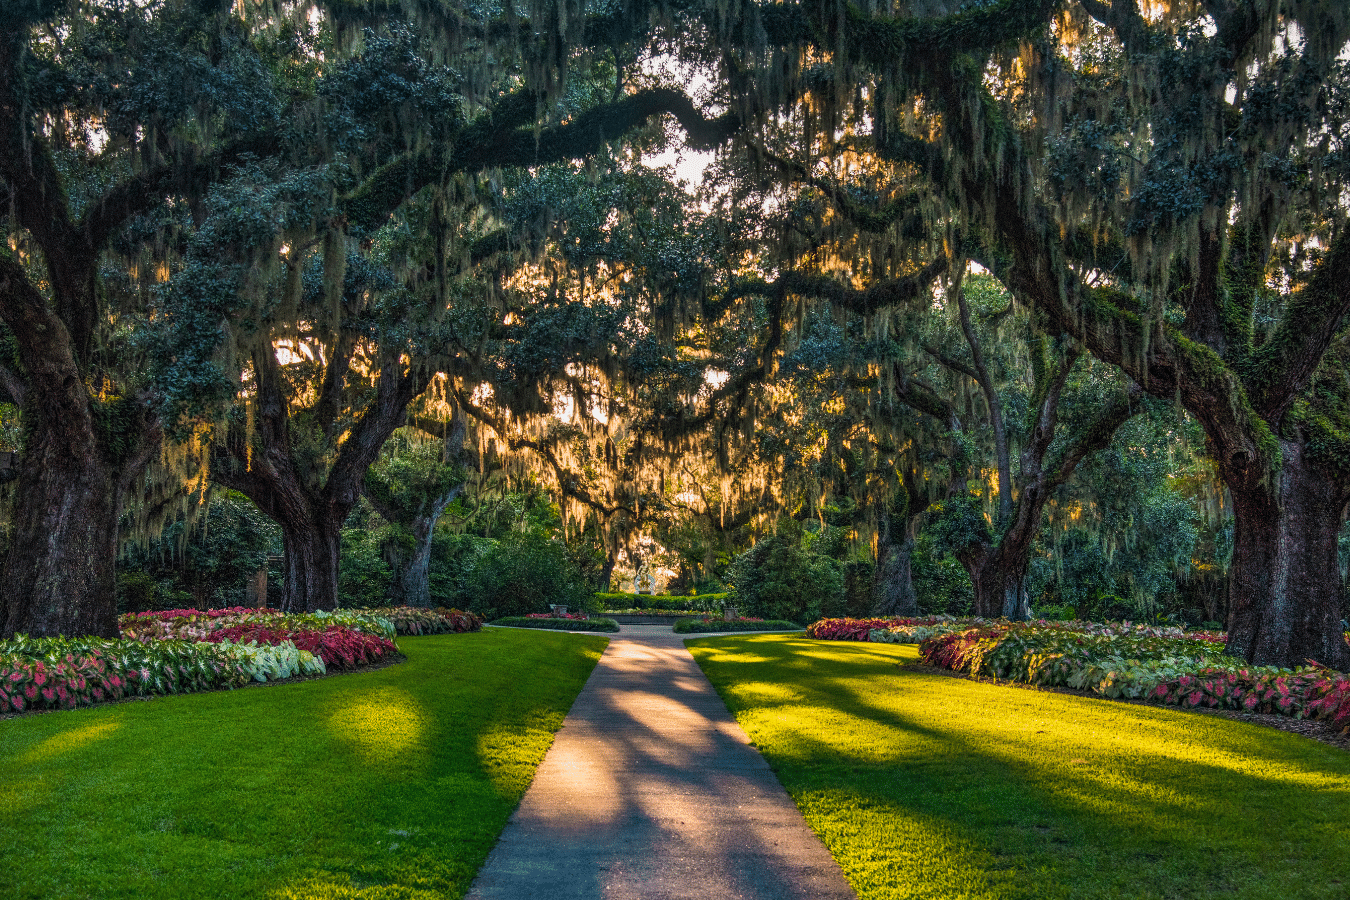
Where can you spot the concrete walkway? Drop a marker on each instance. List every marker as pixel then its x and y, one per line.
pixel 651 790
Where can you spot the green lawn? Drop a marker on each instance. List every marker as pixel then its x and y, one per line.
pixel 385 784
pixel 929 786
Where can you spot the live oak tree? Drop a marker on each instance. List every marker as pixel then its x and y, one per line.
pixel 106 111
pixel 1166 187
pixel 117 121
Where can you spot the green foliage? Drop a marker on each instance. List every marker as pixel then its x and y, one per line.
pixel 523 573
pixel 941 583
pixel 959 524
pixel 686 603
pixel 205 564
pixel 705 626
pixel 363 577
pixel 782 577
pixel 605 625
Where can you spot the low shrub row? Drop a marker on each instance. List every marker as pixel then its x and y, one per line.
pixel 902 630
pixel 555 623
pixel 1164 665
pixel 654 612
pixel 697 626
pixel 688 603
pixel 198 625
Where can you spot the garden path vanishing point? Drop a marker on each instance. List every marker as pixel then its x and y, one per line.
pixel 651 790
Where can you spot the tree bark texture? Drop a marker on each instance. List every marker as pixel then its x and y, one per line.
pixel 893 586
pixel 312 551
pixel 1284 580
pixel 59 574
pixel 415 578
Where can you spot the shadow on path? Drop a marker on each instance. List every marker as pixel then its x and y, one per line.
pixel 651 790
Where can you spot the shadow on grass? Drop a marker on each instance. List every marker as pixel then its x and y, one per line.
pixel 390 783
pixel 928 786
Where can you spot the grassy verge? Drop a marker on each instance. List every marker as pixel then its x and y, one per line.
pixel 379 785
pixel 928 786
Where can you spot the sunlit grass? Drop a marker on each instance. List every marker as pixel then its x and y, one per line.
pixel 386 785
pixel 927 786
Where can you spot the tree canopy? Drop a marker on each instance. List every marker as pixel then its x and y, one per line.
pixel 944 252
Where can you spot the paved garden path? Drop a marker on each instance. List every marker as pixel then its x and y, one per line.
pixel 651 790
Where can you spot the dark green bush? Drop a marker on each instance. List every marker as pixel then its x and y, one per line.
pixel 559 624
pixel 941 584
pixel 780 578
pixel 697 626
pixel 523 573
pixel 690 602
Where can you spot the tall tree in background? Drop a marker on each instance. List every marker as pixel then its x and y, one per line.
pixel 106 111
pixel 1166 188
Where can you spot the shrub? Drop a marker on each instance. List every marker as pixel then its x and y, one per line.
pixel 778 578
pixel 687 603
pixel 695 626
pixel 608 625
pixel 524 573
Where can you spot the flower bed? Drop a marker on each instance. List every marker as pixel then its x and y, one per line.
pixel 184 650
pixel 697 626
pixel 63 673
pixel 344 638
pixel 1167 665
pixel 896 628
pixel 553 622
pixel 571 617
pixel 416 620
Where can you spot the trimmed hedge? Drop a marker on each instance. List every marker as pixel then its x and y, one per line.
pixel 559 624
pixel 687 603
pixel 702 626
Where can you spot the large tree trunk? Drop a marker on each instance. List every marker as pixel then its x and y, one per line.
pixel 59 568
pixel 59 571
pixel 1001 588
pixel 312 550
pixel 1283 585
pixel 893 579
pixel 607 571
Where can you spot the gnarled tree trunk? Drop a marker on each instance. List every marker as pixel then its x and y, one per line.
pixel 1284 580
pixel 893 579
pixel 312 549
pixel 59 576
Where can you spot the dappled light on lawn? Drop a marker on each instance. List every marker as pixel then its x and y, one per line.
pixel 929 786
pixel 66 741
pixel 386 725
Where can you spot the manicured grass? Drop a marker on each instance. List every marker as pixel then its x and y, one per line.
pixel 924 785
pixel 391 784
